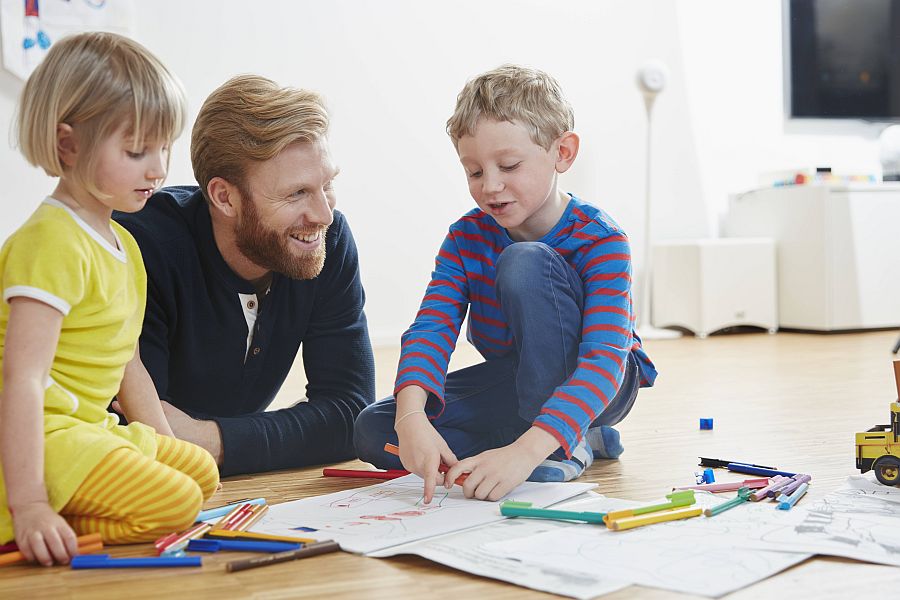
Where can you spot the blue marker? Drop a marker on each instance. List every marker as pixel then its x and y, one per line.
pixel 215 513
pixel 240 546
pixel 786 502
pixel 751 470
pixel 103 561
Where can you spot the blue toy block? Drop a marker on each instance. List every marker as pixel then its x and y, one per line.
pixel 706 423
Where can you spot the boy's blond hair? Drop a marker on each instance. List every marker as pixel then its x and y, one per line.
pixel 95 82
pixel 513 93
pixel 251 118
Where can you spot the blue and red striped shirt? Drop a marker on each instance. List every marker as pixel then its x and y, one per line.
pixel 463 280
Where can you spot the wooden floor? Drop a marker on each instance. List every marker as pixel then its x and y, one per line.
pixel 792 400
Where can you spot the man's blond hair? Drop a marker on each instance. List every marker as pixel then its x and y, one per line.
pixel 251 118
pixel 513 93
pixel 96 82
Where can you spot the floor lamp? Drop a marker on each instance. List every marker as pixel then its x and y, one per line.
pixel 651 79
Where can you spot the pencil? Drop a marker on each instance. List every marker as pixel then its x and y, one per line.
pixel 270 559
pixel 257 515
pixel 225 534
pixel 86 543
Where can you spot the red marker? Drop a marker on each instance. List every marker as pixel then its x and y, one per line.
pixel 362 474
pixel 392 449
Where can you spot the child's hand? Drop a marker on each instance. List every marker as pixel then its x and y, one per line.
pixel 493 473
pixel 42 535
pixel 422 449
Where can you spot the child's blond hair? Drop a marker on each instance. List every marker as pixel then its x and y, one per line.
pixel 251 118
pixel 513 93
pixel 95 82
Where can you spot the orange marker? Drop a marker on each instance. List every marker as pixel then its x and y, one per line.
pixel 392 449
pixel 86 544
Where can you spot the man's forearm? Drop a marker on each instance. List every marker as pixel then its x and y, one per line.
pixel 315 432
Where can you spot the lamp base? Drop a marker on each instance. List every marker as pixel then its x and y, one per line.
pixel 648 332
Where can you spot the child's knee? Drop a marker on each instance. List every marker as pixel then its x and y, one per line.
pixel 208 476
pixel 520 263
pixel 372 429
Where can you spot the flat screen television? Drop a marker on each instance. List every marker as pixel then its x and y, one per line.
pixel 842 59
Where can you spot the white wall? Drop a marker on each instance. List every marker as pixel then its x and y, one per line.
pixel 391 71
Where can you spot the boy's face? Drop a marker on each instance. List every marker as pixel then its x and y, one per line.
pixel 511 178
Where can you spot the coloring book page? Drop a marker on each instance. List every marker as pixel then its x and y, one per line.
pixel 390 513
pixel 866 484
pixel 462 550
pixel 698 556
pixel 850 522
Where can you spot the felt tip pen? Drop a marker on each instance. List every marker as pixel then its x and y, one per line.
pixel 742 496
pixel 240 546
pixel 322 547
pixel 658 517
pixel 750 470
pixel 787 502
pixel 728 487
pixel 103 561
pixel 224 534
pixel 676 500
pixel 514 510
pixel 90 542
pixel 364 474
pixel 221 511
pixel 721 463
pixel 393 449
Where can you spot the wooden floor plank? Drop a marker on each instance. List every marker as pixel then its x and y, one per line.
pixel 791 400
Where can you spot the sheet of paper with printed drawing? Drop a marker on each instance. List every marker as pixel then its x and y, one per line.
pixel 391 513
pixel 853 522
pixel 462 550
pixel 867 485
pixel 701 555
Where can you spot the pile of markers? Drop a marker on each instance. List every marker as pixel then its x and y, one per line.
pixel 783 487
pixel 229 533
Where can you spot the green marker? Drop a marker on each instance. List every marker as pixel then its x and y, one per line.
pixel 676 500
pixel 523 509
pixel 743 496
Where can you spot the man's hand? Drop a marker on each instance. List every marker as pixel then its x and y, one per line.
pixel 495 473
pixel 205 434
pixel 422 449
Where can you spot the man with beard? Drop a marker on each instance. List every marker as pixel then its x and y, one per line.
pixel 243 271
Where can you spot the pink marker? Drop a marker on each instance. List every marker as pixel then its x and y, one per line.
pixel 728 487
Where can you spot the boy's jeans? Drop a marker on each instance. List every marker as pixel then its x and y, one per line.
pixel 491 404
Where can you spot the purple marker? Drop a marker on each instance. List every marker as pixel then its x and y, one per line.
pixel 775 483
pixel 797 480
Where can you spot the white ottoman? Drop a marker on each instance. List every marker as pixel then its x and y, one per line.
pixel 705 285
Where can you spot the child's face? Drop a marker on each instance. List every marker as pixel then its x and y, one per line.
pixel 511 178
pixel 129 174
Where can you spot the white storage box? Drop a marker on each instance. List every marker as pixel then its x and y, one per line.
pixel 704 285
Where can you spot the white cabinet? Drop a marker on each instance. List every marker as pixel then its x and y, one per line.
pixel 709 284
pixel 838 251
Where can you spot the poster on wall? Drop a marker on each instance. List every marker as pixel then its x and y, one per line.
pixel 29 27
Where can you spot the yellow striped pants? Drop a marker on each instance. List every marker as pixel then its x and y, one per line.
pixel 131 498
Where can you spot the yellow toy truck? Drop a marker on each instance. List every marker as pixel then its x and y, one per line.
pixel 878 449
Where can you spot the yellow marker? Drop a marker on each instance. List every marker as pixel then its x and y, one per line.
pixel 670 515
pixel 250 535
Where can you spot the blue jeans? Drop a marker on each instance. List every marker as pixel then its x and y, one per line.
pixel 491 404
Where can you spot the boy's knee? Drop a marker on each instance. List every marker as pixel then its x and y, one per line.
pixel 208 480
pixel 373 428
pixel 519 265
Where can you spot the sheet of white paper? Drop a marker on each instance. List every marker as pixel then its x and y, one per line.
pixel 866 484
pixel 461 551
pixel 390 513
pixel 699 555
pixel 849 522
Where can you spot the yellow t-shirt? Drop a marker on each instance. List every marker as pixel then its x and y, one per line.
pixel 101 290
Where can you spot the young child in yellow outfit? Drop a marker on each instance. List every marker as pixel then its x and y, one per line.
pixel 99 113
